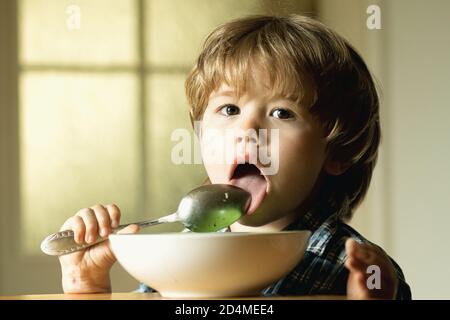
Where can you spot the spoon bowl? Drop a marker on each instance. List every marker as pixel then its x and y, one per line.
pixel 213 207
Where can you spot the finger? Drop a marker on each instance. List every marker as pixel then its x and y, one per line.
pixel 91 223
pixel 355 265
pixel 103 219
pixel 358 289
pixel 359 266
pixel 363 254
pixel 360 277
pixel 351 246
pixel 361 251
pixel 78 227
pixel 114 214
pixel 132 228
pixel 377 256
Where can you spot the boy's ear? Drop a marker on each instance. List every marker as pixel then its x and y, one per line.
pixel 335 168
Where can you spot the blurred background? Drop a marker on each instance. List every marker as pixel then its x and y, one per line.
pixel 90 91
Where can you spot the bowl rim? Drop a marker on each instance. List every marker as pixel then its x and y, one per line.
pixel 212 234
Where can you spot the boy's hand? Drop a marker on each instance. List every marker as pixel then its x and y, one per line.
pixel 359 258
pixel 87 271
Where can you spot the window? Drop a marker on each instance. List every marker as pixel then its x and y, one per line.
pixel 98 102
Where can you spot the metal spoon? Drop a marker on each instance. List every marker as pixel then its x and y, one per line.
pixel 208 208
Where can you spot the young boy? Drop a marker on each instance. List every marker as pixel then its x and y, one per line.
pixel 296 76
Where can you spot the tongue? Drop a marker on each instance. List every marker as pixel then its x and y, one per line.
pixel 249 178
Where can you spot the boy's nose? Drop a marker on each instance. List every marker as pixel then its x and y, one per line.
pixel 246 137
pixel 247 131
pixel 253 120
pixel 246 147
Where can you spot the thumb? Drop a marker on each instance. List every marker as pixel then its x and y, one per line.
pixel 132 228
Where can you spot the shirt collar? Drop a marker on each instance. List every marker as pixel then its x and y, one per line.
pixel 322 222
pixel 313 218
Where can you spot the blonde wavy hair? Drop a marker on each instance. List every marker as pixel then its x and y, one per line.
pixel 310 63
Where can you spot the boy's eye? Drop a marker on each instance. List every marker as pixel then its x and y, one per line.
pixel 229 110
pixel 281 113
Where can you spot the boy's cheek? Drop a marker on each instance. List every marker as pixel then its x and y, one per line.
pixel 295 180
pixel 216 173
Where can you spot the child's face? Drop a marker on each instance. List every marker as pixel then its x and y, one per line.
pixel 301 148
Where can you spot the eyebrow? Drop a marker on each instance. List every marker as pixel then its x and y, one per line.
pixel 230 93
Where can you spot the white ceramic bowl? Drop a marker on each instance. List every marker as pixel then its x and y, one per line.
pixel 182 265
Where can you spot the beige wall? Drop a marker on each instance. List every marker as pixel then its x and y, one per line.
pixel 418 66
pixel 408 209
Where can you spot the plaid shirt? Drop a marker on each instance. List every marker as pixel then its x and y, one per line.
pixel 321 270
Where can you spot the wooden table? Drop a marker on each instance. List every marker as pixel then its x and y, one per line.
pixel 149 296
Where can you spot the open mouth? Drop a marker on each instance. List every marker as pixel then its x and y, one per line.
pixel 248 177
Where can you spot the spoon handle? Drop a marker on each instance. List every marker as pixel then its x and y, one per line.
pixel 63 242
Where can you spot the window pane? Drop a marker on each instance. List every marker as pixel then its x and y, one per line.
pixel 167 110
pixel 78 147
pixel 48 34
pixel 176 24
